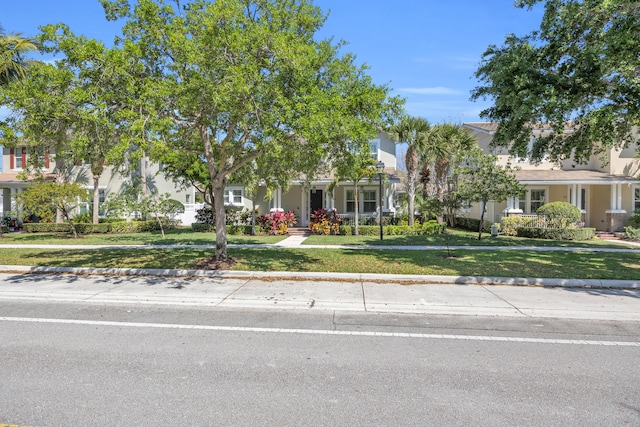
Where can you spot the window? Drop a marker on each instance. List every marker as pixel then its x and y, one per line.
pixel 351 203
pixel 373 148
pixel 232 196
pixel 636 198
pixel 187 198
pixel 19 157
pixel 537 200
pixel 583 198
pixel 369 199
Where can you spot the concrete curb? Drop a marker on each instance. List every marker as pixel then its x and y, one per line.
pixel 352 277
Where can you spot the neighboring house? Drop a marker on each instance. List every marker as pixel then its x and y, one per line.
pixel 302 197
pixel 15 159
pixel 607 193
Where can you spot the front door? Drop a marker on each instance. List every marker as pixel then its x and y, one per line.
pixel 315 200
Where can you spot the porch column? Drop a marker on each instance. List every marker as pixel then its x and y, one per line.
pixel 615 215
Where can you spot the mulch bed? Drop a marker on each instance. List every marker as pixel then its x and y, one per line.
pixel 211 263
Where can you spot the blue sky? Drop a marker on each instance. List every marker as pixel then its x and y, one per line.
pixel 425 50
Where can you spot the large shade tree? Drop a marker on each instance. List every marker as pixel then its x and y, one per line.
pixel 239 80
pixel 579 75
pixel 413 131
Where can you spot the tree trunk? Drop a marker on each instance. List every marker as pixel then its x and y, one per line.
pixel 96 199
pixel 70 222
pixel 217 187
pixel 411 163
pixel 482 211
pixel 355 209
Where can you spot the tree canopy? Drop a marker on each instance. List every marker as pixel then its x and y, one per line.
pixel 578 76
pixel 235 82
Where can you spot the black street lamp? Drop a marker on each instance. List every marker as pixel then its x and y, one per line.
pixel 380 167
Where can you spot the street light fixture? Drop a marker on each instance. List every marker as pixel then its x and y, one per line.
pixel 380 167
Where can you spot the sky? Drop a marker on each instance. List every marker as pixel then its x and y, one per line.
pixel 426 51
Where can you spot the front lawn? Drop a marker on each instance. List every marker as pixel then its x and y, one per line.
pixel 502 263
pixel 458 238
pixel 183 236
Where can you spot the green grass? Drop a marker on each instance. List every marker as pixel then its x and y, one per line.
pixel 173 237
pixel 457 238
pixel 503 263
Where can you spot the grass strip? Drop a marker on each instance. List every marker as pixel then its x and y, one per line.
pixel 500 263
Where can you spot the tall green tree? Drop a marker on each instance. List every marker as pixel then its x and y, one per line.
pixel 578 74
pixel 414 132
pixel 481 179
pixel 13 51
pixel 444 148
pixel 241 80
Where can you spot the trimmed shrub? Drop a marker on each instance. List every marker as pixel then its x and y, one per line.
pixel 428 228
pixel 634 221
pixel 560 214
pixel 137 226
pixel 472 224
pixel 632 233
pixel 557 233
pixel 510 224
pixel 202 227
pixel 232 230
pixel 83 228
pixel 233 216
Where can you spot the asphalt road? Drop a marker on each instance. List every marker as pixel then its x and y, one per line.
pixel 106 364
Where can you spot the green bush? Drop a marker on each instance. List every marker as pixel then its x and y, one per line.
pixel 632 233
pixel 202 227
pixel 85 217
pixel 557 233
pixel 428 228
pixel 472 224
pixel 560 214
pixel 135 226
pixel 510 224
pixel 634 221
pixel 46 227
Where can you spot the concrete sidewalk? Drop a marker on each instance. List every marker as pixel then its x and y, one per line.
pixel 443 295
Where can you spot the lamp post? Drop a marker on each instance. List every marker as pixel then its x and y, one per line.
pixel 380 167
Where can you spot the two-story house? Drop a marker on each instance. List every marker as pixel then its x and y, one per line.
pixel 302 197
pixel 607 192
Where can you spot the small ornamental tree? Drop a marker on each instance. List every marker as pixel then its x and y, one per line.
pixel 482 180
pixel 40 196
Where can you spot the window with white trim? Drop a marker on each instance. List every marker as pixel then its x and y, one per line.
pixel 636 198
pixel 18 153
pixel 350 200
pixel 369 200
pixel 374 146
pixel 537 199
pixel 232 196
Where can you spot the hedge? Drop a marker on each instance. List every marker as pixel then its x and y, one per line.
pixel 472 224
pixel 557 233
pixel 81 228
pixel 429 227
pixel 232 230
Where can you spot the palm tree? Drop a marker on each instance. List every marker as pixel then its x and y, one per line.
pixel 13 47
pixel 414 132
pixel 444 146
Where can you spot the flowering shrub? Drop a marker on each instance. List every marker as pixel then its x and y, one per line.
pixel 277 222
pixel 325 222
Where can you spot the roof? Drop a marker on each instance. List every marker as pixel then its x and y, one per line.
pixel 491 127
pixel 578 176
